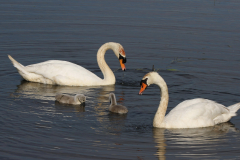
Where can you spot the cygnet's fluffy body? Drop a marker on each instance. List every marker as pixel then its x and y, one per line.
pixel 67 99
pixel 114 107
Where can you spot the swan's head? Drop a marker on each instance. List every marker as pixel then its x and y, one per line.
pixel 120 53
pixel 122 60
pixel 147 80
pixel 143 85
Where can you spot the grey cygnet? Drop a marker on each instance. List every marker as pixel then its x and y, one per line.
pixel 67 99
pixel 114 107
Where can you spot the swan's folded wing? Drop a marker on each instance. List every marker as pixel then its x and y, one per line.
pixel 62 71
pixel 191 102
pixel 200 114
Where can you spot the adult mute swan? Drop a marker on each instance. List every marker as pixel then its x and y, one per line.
pixel 66 73
pixel 192 113
pixel 114 107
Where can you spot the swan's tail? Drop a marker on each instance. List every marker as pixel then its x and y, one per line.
pixel 234 108
pixel 20 67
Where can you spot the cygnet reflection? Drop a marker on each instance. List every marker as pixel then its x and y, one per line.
pixel 67 99
pixel 114 107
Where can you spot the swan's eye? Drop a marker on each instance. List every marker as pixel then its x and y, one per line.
pixel 143 81
pixel 123 58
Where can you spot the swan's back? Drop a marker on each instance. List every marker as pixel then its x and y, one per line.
pixel 64 73
pixel 191 102
pixel 197 113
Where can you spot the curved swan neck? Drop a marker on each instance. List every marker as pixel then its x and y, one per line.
pixel 108 75
pixel 160 114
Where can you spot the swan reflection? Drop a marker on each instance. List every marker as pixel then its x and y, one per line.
pixel 96 95
pixel 191 137
pixel 40 91
pixel 70 108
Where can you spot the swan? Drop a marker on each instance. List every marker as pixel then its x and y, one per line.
pixel 69 74
pixel 114 107
pixel 67 99
pixel 192 113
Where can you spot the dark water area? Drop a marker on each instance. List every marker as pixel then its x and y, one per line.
pixel 194 46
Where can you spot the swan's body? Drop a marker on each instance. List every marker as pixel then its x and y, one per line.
pixel 67 99
pixel 114 107
pixel 66 73
pixel 193 113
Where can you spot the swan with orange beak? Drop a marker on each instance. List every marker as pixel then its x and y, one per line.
pixel 193 113
pixel 65 73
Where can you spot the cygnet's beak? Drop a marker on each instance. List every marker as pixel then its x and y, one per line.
pixel 122 64
pixel 143 87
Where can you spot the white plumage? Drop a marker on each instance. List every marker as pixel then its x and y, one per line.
pixel 67 73
pixel 193 113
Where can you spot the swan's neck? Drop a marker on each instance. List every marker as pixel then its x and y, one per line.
pixel 108 75
pixel 160 114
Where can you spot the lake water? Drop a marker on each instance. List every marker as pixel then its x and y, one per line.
pixel 194 46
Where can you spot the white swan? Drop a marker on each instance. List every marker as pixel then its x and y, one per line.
pixel 193 113
pixel 114 107
pixel 69 74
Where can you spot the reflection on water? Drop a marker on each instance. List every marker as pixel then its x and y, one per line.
pixel 191 138
pixel 104 93
pixel 116 123
pixel 120 98
pixel 109 122
pixel 204 135
pixel 97 96
pixel 47 92
pixel 67 107
pixel 158 134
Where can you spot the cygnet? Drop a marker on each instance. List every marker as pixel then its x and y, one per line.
pixel 114 107
pixel 67 99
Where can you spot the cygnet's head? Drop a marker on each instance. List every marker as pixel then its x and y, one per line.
pixel 81 98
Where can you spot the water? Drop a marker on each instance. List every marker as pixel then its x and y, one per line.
pixel 194 45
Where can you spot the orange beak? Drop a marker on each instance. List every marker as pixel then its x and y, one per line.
pixel 122 64
pixel 143 87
